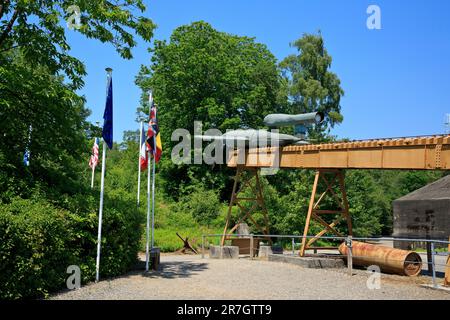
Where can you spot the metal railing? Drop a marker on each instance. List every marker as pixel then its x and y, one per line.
pixel 348 240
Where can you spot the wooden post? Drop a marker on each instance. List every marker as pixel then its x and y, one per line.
pixel 251 246
pixel 256 201
pixel 203 246
pixel 310 209
pixel 315 212
pixel 230 207
pixel 447 268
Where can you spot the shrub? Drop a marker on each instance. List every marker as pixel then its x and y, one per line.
pixel 34 251
pixel 204 205
pixel 38 241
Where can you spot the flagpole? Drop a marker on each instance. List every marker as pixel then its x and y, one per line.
pixel 100 215
pixel 150 100
pixel 148 215
pixel 92 179
pixel 153 193
pixel 102 183
pixel 139 163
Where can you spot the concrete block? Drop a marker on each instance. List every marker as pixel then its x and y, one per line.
pixel 264 252
pixel 277 249
pixel 309 262
pixel 225 252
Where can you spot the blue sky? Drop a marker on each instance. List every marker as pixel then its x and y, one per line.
pixel 396 80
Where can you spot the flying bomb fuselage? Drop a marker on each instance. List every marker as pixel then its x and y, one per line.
pixel 276 120
pixel 261 138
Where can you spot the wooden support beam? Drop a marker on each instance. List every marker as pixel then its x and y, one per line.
pixel 328 211
pixel 313 213
pixel 230 207
pixel 310 209
pixel 256 200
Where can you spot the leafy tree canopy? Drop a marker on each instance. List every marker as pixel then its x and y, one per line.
pixel 38 28
pixel 223 80
pixel 308 83
pixel 201 74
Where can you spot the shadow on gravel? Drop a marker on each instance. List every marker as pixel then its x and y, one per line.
pixel 176 269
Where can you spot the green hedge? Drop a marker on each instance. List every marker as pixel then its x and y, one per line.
pixel 39 240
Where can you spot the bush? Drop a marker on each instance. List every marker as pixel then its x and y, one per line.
pixel 34 249
pixel 204 205
pixel 38 241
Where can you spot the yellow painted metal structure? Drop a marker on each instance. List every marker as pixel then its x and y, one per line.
pixel 418 153
pixel 414 153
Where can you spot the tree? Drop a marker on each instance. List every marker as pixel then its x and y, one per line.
pixel 38 79
pixel 38 29
pixel 31 96
pixel 223 80
pixel 309 85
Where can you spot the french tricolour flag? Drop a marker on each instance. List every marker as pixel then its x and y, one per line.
pixel 143 151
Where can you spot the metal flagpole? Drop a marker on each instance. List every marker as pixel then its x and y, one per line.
pixel 149 159
pixel 148 215
pixel 153 192
pixel 139 163
pixel 100 214
pixel 93 168
pixel 92 179
pixel 102 184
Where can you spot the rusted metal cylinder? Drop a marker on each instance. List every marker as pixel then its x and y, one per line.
pixel 389 260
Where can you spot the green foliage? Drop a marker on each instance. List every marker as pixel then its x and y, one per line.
pixel 48 215
pixel 201 74
pixel 31 96
pixel 202 204
pixel 223 80
pixel 39 240
pixel 38 28
pixel 34 248
pixel 309 84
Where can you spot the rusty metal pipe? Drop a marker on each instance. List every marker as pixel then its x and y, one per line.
pixel 389 260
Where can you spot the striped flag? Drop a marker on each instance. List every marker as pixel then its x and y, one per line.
pixel 143 160
pixel 93 161
pixel 153 136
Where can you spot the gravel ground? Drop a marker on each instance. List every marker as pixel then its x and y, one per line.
pixel 190 277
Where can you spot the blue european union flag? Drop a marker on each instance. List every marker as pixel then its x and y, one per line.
pixel 107 131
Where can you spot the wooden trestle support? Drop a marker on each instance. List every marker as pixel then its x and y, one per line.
pixel 247 178
pixel 329 160
pixel 335 178
pixel 331 177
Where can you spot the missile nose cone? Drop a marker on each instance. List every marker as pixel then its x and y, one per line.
pixel 320 116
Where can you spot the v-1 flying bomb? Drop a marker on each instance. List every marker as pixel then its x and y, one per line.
pixel 299 121
pixel 263 138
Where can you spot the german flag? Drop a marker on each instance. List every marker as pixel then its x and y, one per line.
pixel 153 136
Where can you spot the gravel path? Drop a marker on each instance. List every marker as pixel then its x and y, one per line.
pixel 190 277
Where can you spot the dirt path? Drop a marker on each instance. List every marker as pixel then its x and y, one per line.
pixel 190 277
